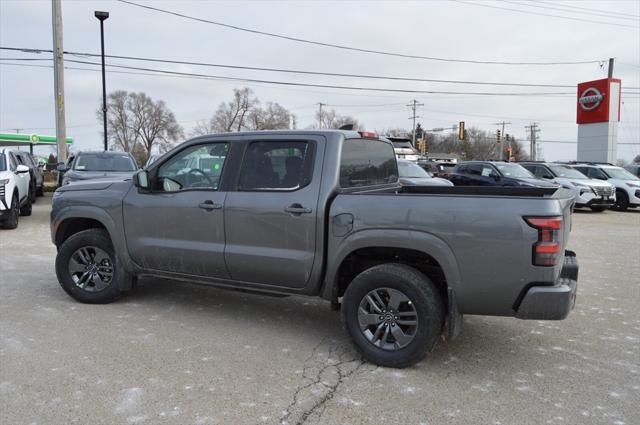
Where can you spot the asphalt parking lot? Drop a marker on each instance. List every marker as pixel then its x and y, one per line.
pixel 184 354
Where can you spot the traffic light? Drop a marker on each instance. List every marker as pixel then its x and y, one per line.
pixel 498 136
pixel 507 137
pixel 461 132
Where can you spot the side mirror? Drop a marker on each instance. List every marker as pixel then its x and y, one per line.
pixel 21 169
pixel 62 167
pixel 547 176
pixel 141 179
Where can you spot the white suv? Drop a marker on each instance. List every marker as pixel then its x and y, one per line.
pixel 595 194
pixel 14 190
pixel 627 185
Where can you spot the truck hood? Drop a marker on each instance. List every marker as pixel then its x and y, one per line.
pixel 99 184
pixel 74 175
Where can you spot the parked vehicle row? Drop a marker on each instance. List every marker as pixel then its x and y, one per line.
pixel 595 194
pixel 15 186
pixel 627 186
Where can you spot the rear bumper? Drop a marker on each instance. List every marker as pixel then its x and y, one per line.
pixel 552 302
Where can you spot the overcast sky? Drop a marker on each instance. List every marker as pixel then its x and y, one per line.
pixel 445 29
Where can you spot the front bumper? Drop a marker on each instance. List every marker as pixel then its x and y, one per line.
pixel 552 302
pixel 589 199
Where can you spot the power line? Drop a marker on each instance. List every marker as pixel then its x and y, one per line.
pixel 591 10
pixel 343 47
pixel 340 87
pixel 252 68
pixel 528 4
pixel 291 71
pixel 542 14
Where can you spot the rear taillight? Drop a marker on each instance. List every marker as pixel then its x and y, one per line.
pixel 546 250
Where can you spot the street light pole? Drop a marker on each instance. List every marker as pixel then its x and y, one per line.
pixel 102 16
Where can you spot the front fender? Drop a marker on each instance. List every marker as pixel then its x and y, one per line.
pixel 392 238
pixel 113 227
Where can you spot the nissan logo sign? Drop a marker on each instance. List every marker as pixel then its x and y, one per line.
pixel 590 99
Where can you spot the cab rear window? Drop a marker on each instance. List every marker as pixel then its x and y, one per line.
pixel 366 162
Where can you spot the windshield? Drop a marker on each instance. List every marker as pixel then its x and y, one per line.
pixel 514 170
pixel 104 162
pixel 411 170
pixel 3 163
pixel 568 172
pixel 619 173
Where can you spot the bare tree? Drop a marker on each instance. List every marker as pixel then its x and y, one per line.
pixel 136 124
pixel 331 119
pixel 272 117
pixel 121 127
pixel 231 116
pixel 244 112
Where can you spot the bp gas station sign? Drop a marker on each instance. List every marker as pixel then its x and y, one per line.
pixel 31 140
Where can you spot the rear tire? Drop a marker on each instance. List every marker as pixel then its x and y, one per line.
pixel 27 208
pixel 32 192
pixel 394 314
pixel 598 209
pixel 622 200
pixel 11 222
pixel 88 270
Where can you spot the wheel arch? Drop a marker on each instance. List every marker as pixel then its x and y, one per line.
pixel 361 250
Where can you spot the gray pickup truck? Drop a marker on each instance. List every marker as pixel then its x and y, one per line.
pixel 321 213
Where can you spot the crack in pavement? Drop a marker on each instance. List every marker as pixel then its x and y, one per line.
pixel 310 398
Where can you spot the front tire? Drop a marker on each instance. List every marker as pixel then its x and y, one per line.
pixel 622 200
pixel 394 314
pixel 27 208
pixel 87 268
pixel 11 222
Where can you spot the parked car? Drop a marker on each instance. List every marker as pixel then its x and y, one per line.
pixel 99 165
pixel 36 185
pixel 595 194
pixel 495 173
pixel 411 174
pixel 633 169
pixel 403 148
pixel 321 213
pixel 627 185
pixel 14 190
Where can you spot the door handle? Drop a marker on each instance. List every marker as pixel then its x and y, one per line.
pixel 297 209
pixel 209 206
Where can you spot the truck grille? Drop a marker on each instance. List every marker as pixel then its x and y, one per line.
pixel 603 191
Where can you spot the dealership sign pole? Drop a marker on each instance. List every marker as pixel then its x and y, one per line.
pixel 598 115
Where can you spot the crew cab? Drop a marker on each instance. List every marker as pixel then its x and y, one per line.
pixel 495 173
pixel 14 190
pixel 321 213
pixel 595 194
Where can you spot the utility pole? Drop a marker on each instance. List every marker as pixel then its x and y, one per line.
pixel 610 67
pixel 413 105
pixel 101 17
pixel 533 132
pixel 58 80
pixel 320 117
pixel 504 135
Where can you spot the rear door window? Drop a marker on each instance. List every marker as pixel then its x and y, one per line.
pixel 366 162
pixel 276 166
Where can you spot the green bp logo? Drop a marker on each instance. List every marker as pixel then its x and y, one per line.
pixel 35 138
